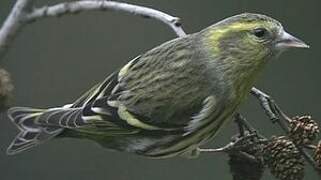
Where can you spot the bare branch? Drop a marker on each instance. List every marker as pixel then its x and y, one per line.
pixel 82 6
pixel 12 24
pixel 20 15
pixel 270 108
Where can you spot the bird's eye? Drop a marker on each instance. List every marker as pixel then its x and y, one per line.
pixel 260 32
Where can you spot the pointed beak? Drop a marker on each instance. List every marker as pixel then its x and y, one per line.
pixel 286 41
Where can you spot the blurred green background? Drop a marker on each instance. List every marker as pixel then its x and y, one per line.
pixel 54 60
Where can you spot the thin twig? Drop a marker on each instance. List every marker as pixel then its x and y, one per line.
pixel 232 146
pixel 247 125
pixel 12 24
pixel 68 8
pixel 241 120
pixel 310 160
pixel 21 14
pixel 247 156
pixel 239 124
pixel 270 108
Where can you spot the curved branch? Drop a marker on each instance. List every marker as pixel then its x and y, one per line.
pixel 20 16
pixel 82 6
pixel 12 24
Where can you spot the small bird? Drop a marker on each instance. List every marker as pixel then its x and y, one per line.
pixel 170 100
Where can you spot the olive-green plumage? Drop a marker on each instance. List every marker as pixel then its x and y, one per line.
pixel 169 100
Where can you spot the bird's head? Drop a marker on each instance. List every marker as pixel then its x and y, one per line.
pixel 250 37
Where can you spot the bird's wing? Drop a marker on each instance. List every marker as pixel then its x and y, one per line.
pixel 94 92
pixel 100 106
pixel 164 88
pixel 155 91
pixel 89 114
pixel 159 90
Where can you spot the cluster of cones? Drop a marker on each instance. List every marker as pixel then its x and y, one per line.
pixel 281 154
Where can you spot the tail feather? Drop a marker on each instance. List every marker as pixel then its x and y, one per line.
pixel 32 132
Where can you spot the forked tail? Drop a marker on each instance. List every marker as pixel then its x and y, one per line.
pixel 32 132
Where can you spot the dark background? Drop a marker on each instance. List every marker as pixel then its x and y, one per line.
pixel 54 60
